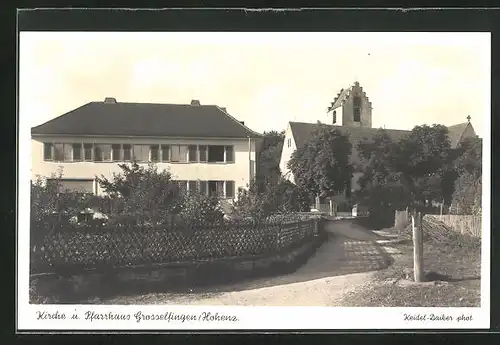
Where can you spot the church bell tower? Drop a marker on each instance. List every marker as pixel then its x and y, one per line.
pixel 352 107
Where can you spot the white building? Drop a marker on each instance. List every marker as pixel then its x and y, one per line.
pixel 202 145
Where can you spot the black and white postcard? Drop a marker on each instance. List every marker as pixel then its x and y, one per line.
pixel 244 180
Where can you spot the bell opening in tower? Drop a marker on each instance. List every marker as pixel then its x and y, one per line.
pixel 357 109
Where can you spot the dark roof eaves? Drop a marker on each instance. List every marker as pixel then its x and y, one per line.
pixel 253 133
pixel 137 136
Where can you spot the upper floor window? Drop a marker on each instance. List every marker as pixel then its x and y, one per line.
pixel 289 142
pixel 216 153
pixel 193 153
pixel 203 153
pixel 178 153
pixel 117 152
pixel 63 152
pixel 87 152
pixel 141 153
pixel 165 153
pixel 48 151
pixel 95 152
pixel 357 109
pixel 102 153
pixel 77 152
pixel 127 152
pixel 229 154
pixel 155 153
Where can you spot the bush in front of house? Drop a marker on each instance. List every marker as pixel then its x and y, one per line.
pixel 261 201
pixel 148 196
pixel 51 206
pixel 200 210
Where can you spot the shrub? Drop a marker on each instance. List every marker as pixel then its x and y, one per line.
pixel 275 198
pixel 198 210
pixel 147 195
pixel 291 198
pixel 49 202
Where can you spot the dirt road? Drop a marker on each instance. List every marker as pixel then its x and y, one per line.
pixel 341 264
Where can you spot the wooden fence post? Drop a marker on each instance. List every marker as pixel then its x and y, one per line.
pixel 418 259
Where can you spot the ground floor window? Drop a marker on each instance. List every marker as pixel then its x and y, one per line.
pixel 219 188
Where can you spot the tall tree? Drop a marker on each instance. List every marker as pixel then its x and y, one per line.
pixel 147 194
pixel 424 157
pixel 467 193
pixel 322 165
pixel 382 186
pixel 469 156
pixel 269 158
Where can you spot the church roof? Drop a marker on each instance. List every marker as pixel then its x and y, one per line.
pixel 456 132
pixel 302 132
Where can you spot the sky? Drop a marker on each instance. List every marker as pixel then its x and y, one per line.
pixel 264 79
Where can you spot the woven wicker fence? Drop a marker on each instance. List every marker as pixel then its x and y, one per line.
pixel 71 248
pixel 463 224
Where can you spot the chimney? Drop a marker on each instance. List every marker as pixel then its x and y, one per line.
pixel 224 109
pixel 110 100
pixel 195 102
pixel 242 122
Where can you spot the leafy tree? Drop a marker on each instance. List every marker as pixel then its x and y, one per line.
pixel 468 185
pixel 322 165
pixel 253 203
pixel 383 189
pixel 281 198
pixel 200 210
pixel 269 155
pixel 149 195
pixel 425 159
pixel 50 203
pixel 291 198
pixel 467 195
pixel 469 156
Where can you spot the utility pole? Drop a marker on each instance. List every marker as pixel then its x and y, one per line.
pixel 418 247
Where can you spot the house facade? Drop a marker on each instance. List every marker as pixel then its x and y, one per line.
pixel 353 108
pixel 203 147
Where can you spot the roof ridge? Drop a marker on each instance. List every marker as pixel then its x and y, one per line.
pixel 459 124
pixel 355 128
pixel 234 119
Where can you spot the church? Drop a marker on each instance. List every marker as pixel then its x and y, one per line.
pixel 353 107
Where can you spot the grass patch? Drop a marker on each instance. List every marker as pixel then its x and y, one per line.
pixel 461 265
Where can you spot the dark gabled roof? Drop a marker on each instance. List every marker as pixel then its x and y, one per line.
pixel 146 119
pixel 455 133
pixel 303 131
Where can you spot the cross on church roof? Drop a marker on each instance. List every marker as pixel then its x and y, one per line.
pixel 468 118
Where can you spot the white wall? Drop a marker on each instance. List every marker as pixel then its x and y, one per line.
pixel 286 154
pixel 340 112
pixel 239 171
